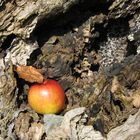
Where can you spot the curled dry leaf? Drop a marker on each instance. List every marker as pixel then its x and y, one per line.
pixel 29 73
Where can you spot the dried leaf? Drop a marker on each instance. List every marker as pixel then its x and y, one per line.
pixel 29 73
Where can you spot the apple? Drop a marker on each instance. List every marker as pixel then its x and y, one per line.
pixel 47 97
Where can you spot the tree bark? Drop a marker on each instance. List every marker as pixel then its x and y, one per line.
pixel 19 18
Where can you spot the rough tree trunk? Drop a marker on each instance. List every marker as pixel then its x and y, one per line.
pixel 19 18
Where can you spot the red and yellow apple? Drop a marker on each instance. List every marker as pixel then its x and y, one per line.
pixel 47 97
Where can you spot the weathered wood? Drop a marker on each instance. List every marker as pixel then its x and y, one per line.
pixel 21 18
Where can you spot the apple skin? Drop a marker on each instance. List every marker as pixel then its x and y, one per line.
pixel 47 97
